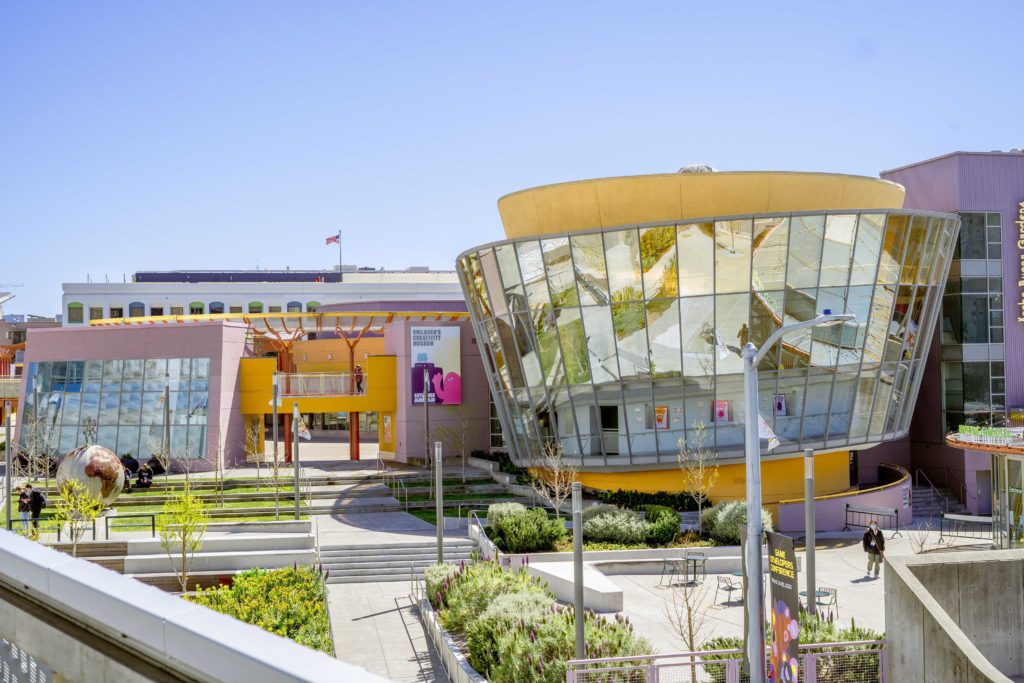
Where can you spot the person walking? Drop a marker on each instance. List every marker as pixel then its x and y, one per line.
pixel 24 507
pixel 37 501
pixel 359 379
pixel 874 546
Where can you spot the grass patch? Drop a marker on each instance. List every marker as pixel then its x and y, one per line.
pixel 462 496
pixel 430 516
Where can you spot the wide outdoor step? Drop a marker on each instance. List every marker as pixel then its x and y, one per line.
pixel 222 562
pixel 347 567
pixel 242 543
pixel 379 548
pixel 87 549
pixel 402 553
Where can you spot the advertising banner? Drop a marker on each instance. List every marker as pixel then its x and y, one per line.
pixel 783 657
pixel 437 353
pixel 661 417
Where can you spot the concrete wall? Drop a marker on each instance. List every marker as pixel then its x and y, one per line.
pixel 955 617
pixel 830 513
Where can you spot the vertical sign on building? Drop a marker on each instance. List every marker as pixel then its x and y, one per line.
pixel 436 351
pixel 783 659
pixel 1020 248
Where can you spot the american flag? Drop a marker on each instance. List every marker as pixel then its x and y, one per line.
pixel 333 239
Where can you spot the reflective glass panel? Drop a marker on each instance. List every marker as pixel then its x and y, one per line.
pixel 732 256
pixel 837 250
pixel 866 252
pixel 658 262
pixel 622 253
pixel 695 243
pixel 591 276
pixel 771 248
pixel 561 278
pixel 805 242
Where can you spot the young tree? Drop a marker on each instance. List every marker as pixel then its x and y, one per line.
pixel 251 444
pixel 555 483
pixel 699 465
pixel 689 618
pixel 455 437
pixel 76 508
pixel 156 447
pixel 182 525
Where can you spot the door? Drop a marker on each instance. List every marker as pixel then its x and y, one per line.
pixel 1012 513
pixel 610 429
pixel 984 489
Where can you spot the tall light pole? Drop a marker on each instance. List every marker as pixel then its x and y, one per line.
pixel 7 464
pixel 439 501
pixel 277 473
pixel 295 456
pixel 752 357
pixel 809 530
pixel 577 565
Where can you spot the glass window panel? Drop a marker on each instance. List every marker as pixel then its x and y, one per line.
pixel 93 375
pixel 915 249
pixel 198 407
pixel 597 323
pixel 663 331
pixel 531 263
pixel 107 437
pixel 152 408
pixel 560 276
pixel 973 239
pixel 112 370
pixel 509 268
pixel 574 346
pixel 68 439
pixel 155 374
pixel 861 417
pixel 132 375
pixel 507 330
pixel 976 388
pixel 771 249
pixel 658 262
pixel 131 408
pixel 110 402
pixel 622 252
pixel 800 305
pixel 883 397
pixel 974 311
pixel 492 293
pixel 696 248
pixel 837 249
pixel 765 318
pixel 892 249
pixel 90 407
pixel 476 296
pixel 197 440
pixel 866 253
pixel 527 344
pixel 127 441
pixel 179 445
pixel 591 276
pixel 732 256
pixel 698 339
pixel 178 370
pixel 545 322
pixel 732 327
pixel 630 322
pixel 200 367
pixel 71 406
pixel 199 385
pixel 805 242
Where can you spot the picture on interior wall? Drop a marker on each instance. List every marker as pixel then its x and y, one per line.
pixel 661 417
pixel 722 409
pixel 436 352
pixel 780 405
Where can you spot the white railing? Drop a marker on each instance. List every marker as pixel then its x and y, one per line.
pixel 321 384
pixel 9 386
pixel 862 661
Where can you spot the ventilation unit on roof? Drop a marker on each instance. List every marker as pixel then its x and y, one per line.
pixel 698 168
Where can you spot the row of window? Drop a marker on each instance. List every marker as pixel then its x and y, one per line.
pixel 137 309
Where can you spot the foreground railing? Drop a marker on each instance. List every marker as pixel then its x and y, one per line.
pixel 321 384
pixel 862 661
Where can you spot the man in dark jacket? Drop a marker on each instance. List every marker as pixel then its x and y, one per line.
pixel 874 546
pixel 37 502
pixel 24 507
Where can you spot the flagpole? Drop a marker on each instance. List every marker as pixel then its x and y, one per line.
pixel 341 277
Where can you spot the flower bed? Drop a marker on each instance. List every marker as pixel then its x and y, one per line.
pixel 288 602
pixel 511 628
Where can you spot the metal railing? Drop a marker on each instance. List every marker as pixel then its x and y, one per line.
pixel 860 661
pixel 321 384
pixel 960 486
pixel 10 385
pixel 935 491
pixel 129 516
pixel 965 526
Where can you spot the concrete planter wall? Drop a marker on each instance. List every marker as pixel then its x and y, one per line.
pixel 454 661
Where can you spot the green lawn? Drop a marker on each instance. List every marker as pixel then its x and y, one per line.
pixel 461 496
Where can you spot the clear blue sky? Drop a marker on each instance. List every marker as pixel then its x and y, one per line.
pixel 143 135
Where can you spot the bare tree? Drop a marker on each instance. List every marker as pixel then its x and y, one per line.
pixel 35 453
pixel 455 437
pixel 251 444
pixel 919 537
pixel 689 618
pixel 156 447
pixel 554 484
pixel 699 465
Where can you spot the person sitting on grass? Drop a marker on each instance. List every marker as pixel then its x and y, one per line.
pixel 145 477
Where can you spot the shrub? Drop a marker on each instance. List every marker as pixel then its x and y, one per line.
pixel 636 499
pixel 536 652
pixel 288 602
pixel 434 578
pixel 597 510
pixel 503 613
pixel 527 531
pixel 723 521
pixel 497 512
pixel 663 524
pixel 616 525
pixel 471 590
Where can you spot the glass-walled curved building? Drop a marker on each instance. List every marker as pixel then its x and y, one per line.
pixel 620 340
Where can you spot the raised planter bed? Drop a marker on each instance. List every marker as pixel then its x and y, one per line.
pixel 454 661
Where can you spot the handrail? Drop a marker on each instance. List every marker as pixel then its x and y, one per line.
pixel 919 473
pixel 858 492
pixel 946 474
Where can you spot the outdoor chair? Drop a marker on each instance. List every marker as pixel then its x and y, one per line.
pixel 830 599
pixel 698 561
pixel 670 567
pixel 727 584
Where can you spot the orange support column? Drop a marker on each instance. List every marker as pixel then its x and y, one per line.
pixel 353 430
pixel 286 436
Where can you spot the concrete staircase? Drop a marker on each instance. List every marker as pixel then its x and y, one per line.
pixel 389 561
pixel 933 503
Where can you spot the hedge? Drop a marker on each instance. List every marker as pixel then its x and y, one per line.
pixel 637 499
pixel 525 531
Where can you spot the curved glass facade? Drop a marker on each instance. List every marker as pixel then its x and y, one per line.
pixel 618 342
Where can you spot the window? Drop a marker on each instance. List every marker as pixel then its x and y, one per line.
pixel 116 312
pixel 979 236
pixel 136 309
pixel 177 310
pixel 156 310
pixel 255 307
pixel 196 308
pixel 95 312
pixel 74 312
pixel 294 307
pixel 311 306
pixel 216 307
pixel 275 309
pixel 235 309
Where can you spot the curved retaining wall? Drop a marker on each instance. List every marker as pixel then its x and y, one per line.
pixel 830 511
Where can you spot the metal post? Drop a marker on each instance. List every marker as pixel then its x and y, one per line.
pixel 167 427
pixel 295 456
pixel 7 464
pixel 426 421
pixel 439 501
pixel 755 644
pixel 277 465
pixel 577 564
pixel 809 528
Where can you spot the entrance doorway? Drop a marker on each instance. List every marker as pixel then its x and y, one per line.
pixel 1014 502
pixel 610 429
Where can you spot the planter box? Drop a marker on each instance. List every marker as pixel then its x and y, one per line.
pixel 454 661
pixel 481 464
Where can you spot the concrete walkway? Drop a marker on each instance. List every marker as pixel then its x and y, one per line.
pixel 376 627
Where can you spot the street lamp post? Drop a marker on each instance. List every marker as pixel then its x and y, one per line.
pixel 277 468
pixel 439 500
pixel 7 464
pixel 809 530
pixel 752 357
pixel 295 456
pixel 577 565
